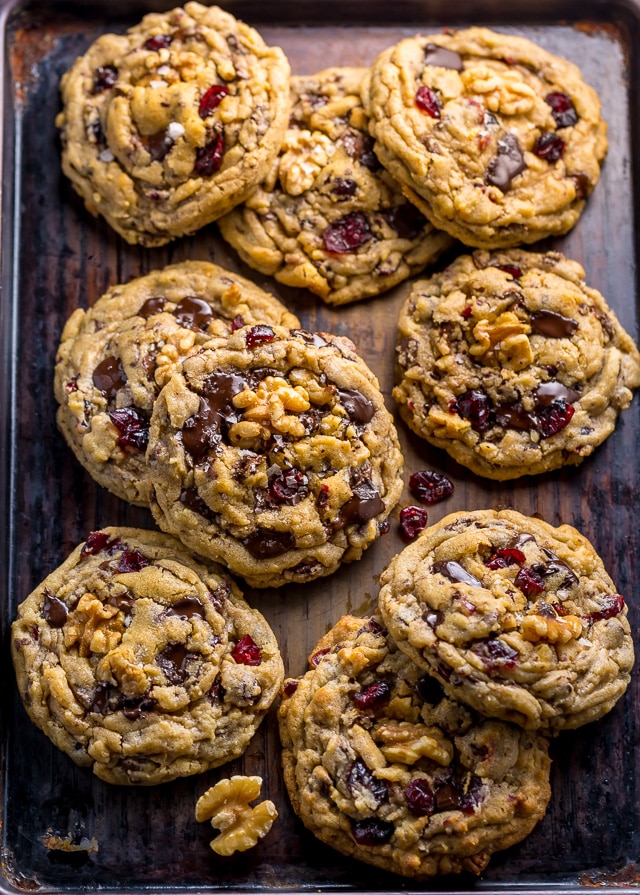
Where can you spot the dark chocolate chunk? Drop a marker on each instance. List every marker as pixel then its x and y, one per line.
pixel 109 376
pixel 507 164
pixel 455 572
pixel 441 57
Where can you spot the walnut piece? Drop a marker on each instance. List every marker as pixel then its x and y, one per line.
pixel 226 805
pixel 554 630
pixel 505 92
pixel 271 406
pixel 407 743
pixel 95 627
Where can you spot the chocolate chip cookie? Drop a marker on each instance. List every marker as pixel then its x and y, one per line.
pixel 513 616
pixel 114 358
pixel 141 662
pixel 496 140
pixel 274 454
pixel 512 363
pixel 167 127
pixel 382 766
pixel 329 218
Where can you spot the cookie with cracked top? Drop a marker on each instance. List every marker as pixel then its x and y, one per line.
pixel 166 127
pixel 329 217
pixel 142 662
pixel 114 358
pixel 518 619
pixel 496 140
pixel 274 454
pixel 512 363
pixel 383 767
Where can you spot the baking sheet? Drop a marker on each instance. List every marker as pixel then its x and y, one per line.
pixel 54 257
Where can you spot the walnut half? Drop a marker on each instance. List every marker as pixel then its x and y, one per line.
pixel 226 805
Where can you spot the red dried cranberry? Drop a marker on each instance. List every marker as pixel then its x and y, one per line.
pixel 474 406
pixel 212 99
pixel 131 561
pixel 612 605
pixel 371 831
pixel 104 78
pixel 259 334
pixel 132 427
pixel 427 100
pixel 549 146
pixel 562 109
pixel 420 798
pixel 553 418
pixel 246 651
pixel 384 527
pixel 237 323
pixel 430 487
pixel 316 658
pixel 347 234
pixel 530 583
pixel 289 487
pixel 467 312
pixel 360 777
pixel 344 186
pixel 373 696
pixel 511 269
pixel 290 687
pixel 96 542
pixel 473 796
pixel 413 520
pixel 71 386
pixel 158 42
pixel 209 157
pixel 495 653
pixel 505 556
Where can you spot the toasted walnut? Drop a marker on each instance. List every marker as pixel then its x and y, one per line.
pixel 506 93
pixel 447 425
pixel 515 353
pixel 554 630
pixel 272 405
pixel 302 157
pixel 95 627
pixel 489 333
pixel 408 743
pixel 226 805
pixel 177 347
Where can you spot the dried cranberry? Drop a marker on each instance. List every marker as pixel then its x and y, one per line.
pixel 360 777
pixel 131 561
pixel 323 496
pixel 530 583
pixel 413 520
pixel 511 269
pixel 290 687
pixel 371 831
pixel 467 312
pixel 259 334
pixel 427 100
pixel 246 651
pixel 212 99
pixel 430 487
pixel 344 186
pixel 237 323
pixel 549 146
pixel 473 796
pixel 474 406
pixel 317 657
pixel 158 42
pixel 347 234
pixel 562 109
pixel 132 427
pixel 96 542
pixel 290 487
pixel 209 157
pixel 495 653
pixel 505 556
pixel 553 418
pixel 612 605
pixel 373 696
pixel 420 798
pixel 104 78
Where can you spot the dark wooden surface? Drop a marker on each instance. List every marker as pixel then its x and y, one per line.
pixel 56 257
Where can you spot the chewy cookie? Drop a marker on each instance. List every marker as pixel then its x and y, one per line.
pixel 114 358
pixel 167 127
pixel 382 766
pixel 516 618
pixel 496 140
pixel 329 218
pixel 512 364
pixel 141 662
pixel 275 455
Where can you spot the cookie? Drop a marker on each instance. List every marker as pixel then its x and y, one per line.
pixel 329 218
pixel 114 358
pixel 275 455
pixel 513 616
pixel 141 662
pixel 167 127
pixel 497 141
pixel 380 765
pixel 512 363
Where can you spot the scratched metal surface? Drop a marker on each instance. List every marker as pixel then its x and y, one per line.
pixel 55 257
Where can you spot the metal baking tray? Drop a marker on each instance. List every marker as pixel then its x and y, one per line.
pixel 54 257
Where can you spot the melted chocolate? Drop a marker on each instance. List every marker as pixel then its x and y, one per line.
pixel 265 544
pixel 507 164
pixel 109 376
pixel 194 313
pixel 514 416
pixel 133 709
pixel 441 57
pixel 100 699
pixel 552 391
pixel 124 601
pixel 314 339
pixel 203 430
pixel 186 608
pixel 172 661
pixel 364 505
pixel 405 219
pixel 455 572
pixel 54 611
pixel 550 323
pixel 157 145
pixel 192 500
pixel 359 408
pixel 518 541
pixel 152 306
